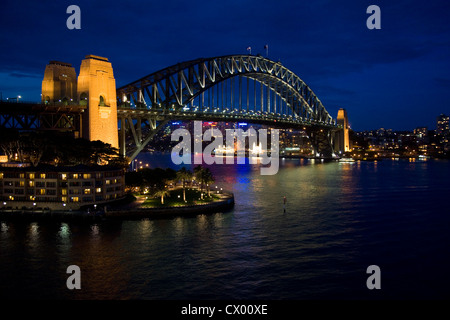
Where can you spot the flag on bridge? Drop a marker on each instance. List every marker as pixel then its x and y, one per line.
pixel 266 47
pixel 249 49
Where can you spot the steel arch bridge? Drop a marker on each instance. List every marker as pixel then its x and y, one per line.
pixel 227 88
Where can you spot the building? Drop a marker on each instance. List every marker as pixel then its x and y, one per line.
pixel 442 125
pixel 59 188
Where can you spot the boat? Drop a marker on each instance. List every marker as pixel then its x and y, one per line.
pixel 346 160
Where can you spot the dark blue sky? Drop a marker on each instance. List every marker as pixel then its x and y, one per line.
pixel 397 77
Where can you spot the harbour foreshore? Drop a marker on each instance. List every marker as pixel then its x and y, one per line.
pixel 128 212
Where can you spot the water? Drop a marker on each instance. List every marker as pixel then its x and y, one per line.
pixel 340 218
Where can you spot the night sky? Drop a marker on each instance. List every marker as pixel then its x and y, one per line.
pixel 397 77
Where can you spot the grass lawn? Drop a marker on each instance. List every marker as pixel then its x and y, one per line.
pixel 176 199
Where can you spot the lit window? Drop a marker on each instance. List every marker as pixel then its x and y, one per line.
pixel 87 191
pixel 98 190
pixel 22 176
pixel 31 176
pixel 42 191
pixel 1 175
pixel 108 181
pixel 86 176
pixel 64 199
pixel 63 176
pixel 31 183
pixel 42 175
pixel 64 192
pixel 75 175
pixel 75 199
pixel 22 183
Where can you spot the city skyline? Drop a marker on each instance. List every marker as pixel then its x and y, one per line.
pixel 392 78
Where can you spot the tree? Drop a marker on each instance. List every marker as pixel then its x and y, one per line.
pixel 163 192
pixel 8 141
pixel 205 177
pixel 184 175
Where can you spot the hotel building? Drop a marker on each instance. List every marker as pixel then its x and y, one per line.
pixel 59 188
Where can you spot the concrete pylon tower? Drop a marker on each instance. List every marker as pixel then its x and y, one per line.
pixel 97 90
pixel 59 84
pixel 343 138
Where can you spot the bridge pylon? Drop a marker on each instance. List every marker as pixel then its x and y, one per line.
pixel 97 89
pixel 322 141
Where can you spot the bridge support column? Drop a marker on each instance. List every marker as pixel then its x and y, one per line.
pixel 122 142
pixel 322 142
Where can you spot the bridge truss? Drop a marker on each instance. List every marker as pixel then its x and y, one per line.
pixel 36 116
pixel 228 88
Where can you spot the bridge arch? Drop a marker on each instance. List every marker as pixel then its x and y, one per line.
pixel 163 95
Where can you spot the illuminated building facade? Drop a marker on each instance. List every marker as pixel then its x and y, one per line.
pixel 59 188
pixel 442 125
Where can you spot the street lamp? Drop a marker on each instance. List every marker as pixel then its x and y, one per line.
pixel 19 97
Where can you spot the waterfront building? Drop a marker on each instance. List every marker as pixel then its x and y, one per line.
pixel 59 188
pixel 442 125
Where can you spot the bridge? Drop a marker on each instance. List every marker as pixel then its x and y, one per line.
pixel 228 88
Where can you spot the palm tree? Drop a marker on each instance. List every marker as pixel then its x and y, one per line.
pixel 162 193
pixel 184 175
pixel 205 177
pixel 208 179
pixel 198 172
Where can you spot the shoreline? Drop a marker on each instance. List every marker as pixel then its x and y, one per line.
pixel 126 213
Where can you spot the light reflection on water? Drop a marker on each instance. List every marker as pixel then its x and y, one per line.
pixel 340 218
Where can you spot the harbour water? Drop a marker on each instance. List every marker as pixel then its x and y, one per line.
pixel 340 218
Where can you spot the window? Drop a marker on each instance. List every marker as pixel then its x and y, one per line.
pixel 31 183
pixel 86 176
pixel 64 192
pixel 87 191
pixel 31 176
pixel 22 176
pixel 41 191
pixel 64 199
pixel 108 182
pixel 1 175
pixel 20 183
pixel 101 101
pixel 75 199
pixel 83 99
pixel 42 176
pixel 98 190
pixel 63 176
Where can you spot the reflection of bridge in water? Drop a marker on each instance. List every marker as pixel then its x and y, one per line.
pixel 228 88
